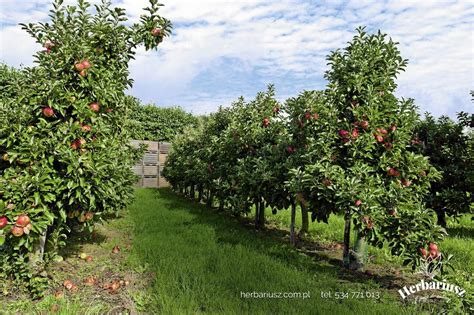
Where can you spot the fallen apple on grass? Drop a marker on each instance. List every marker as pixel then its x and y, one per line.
pixel 116 249
pixel 48 112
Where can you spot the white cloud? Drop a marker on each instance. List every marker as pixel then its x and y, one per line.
pixel 285 42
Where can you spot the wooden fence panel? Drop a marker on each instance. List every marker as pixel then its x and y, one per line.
pixel 150 167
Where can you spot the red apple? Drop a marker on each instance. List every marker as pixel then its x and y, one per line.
pixel 307 115
pixel 86 128
pixel 89 216
pixel 393 128
pixel 423 252
pixel 434 253
pixel 290 149
pixel 23 220
pixel 68 284
pixel 393 172
pixel 83 73
pixel 155 31
pixel 315 116
pixel 364 124
pixel 343 133
pixel 79 66
pixel 94 107
pixel 89 258
pixel 48 112
pixel 406 182
pixel 116 249
pixel 266 122
pixel 75 145
pixel 91 280
pixel 433 246
pixel 86 64
pixel 358 202
pixel 382 131
pixel 3 222
pixel 379 138
pixel 355 133
pixel 17 231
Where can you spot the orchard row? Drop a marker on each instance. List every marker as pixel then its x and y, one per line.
pixel 346 150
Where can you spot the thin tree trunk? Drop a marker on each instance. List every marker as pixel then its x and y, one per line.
pixel 209 199
pixel 261 215
pixel 347 238
pixel 192 193
pixel 441 214
pixel 292 224
pixel 199 193
pixel 257 214
pixel 36 256
pixel 361 252
pixel 304 220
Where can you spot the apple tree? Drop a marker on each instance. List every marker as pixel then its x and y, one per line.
pixel 374 176
pixel 64 136
pixel 449 145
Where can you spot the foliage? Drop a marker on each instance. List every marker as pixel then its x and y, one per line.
pixel 450 147
pixel 64 131
pixel 159 123
pixel 343 150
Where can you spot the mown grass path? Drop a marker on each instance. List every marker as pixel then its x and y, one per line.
pixel 204 261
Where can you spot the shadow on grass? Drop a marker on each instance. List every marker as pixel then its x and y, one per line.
pixel 274 242
pixel 461 231
pixel 78 240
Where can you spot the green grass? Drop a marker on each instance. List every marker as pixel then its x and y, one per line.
pixel 204 259
pixel 188 259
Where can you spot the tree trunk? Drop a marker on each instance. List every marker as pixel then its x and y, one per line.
pixel 257 213
pixel 199 193
pixel 192 193
pixel 360 252
pixel 261 215
pixel 347 238
pixel 36 256
pixel 292 224
pixel 441 214
pixel 304 220
pixel 209 199
pixel 221 204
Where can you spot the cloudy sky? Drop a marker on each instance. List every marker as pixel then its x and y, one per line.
pixel 221 49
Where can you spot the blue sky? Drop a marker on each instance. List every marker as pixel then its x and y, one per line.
pixel 221 49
